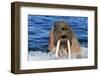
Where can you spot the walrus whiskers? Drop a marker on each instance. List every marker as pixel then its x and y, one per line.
pixel 69 49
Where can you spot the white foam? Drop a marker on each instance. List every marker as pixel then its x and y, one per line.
pixel 38 55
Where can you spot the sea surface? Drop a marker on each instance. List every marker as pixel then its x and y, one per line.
pixel 39 27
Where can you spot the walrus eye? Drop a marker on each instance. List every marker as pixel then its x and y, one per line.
pixel 66 28
pixel 63 29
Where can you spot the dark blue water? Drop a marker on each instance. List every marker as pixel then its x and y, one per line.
pixel 39 27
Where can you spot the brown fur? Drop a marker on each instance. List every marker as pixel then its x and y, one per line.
pixel 64 32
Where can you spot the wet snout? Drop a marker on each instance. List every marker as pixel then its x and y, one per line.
pixel 64 39
pixel 67 37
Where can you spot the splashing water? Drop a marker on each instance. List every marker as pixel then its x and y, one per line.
pixel 39 55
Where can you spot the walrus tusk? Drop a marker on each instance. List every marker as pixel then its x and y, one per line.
pixel 69 49
pixel 57 48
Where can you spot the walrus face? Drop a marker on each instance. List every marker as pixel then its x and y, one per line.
pixel 62 31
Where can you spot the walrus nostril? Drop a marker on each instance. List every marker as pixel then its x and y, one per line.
pixel 63 36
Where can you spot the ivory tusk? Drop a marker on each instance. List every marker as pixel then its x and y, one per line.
pixel 57 48
pixel 69 49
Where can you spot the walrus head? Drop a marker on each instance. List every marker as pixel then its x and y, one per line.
pixel 63 41
pixel 63 32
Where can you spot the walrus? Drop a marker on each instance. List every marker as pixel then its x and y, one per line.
pixel 62 35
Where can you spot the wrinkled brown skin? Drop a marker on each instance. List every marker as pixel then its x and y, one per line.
pixel 56 34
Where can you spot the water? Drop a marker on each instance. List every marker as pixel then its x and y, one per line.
pixel 39 27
